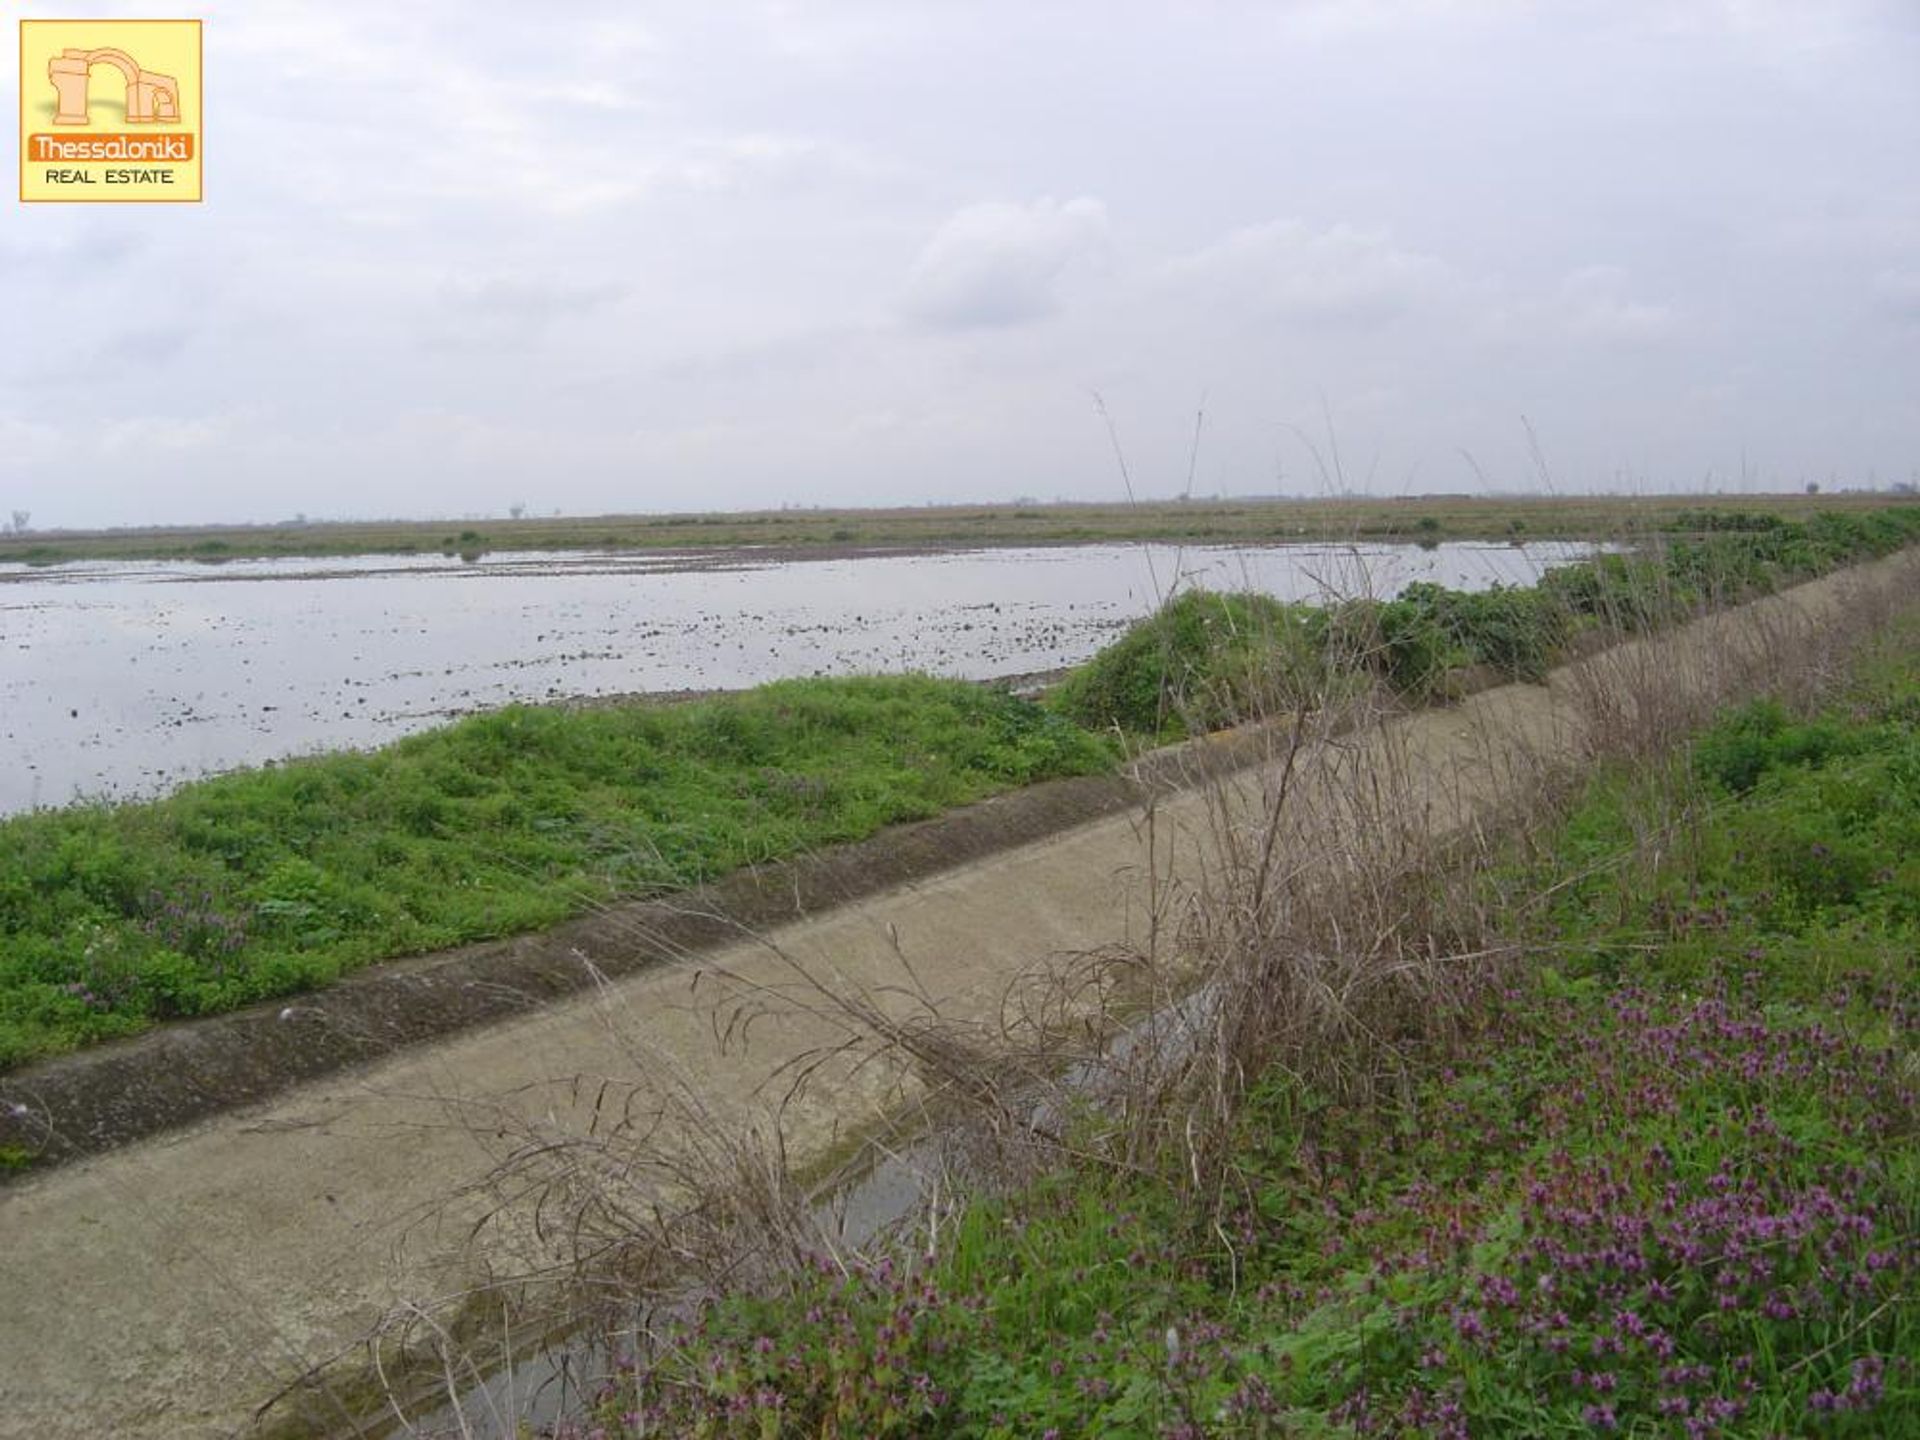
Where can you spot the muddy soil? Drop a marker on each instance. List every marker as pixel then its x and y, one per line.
pixel 123 679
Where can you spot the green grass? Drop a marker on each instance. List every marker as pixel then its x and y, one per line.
pixel 1665 1186
pixel 1207 660
pixel 269 881
pixel 1803 857
pixel 279 880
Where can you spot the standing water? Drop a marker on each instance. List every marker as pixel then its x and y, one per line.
pixel 121 679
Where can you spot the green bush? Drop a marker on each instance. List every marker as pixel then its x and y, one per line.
pixel 1514 629
pixel 1203 660
pixel 1207 659
pixel 1759 737
pixel 1402 643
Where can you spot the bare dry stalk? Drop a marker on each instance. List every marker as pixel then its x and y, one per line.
pixel 1336 930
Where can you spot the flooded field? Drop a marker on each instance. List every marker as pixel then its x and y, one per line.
pixel 118 679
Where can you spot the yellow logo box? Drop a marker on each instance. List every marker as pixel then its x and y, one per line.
pixel 110 110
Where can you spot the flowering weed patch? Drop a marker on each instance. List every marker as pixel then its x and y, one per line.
pixel 1665 1186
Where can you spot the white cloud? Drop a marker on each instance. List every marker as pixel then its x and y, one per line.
pixel 161 434
pixel 1287 268
pixel 1002 264
pixel 1595 303
pixel 28 444
pixel 697 255
pixel 1897 292
pixel 510 310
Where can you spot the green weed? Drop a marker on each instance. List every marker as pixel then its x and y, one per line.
pixel 1206 660
pixel 280 879
pixel 1664 1187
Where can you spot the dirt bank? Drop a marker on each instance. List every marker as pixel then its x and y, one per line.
pixel 166 1287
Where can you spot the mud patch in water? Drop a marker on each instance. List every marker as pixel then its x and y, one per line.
pixel 119 680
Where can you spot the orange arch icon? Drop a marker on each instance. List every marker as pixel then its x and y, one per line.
pixel 151 99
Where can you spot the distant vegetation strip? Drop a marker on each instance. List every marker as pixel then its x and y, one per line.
pixel 277 880
pixel 1021 522
pixel 1659 1181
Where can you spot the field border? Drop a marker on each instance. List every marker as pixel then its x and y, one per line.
pixel 112 1094
pixel 97 1099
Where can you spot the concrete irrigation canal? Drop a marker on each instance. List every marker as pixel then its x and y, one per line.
pixel 168 1285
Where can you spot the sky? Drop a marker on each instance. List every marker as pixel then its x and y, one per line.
pixel 458 256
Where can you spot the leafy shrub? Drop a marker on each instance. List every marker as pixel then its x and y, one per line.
pixel 1514 629
pixel 1400 641
pixel 1203 660
pixel 1208 659
pixel 1631 592
pixel 1758 737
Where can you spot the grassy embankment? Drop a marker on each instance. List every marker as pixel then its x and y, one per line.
pixel 281 879
pixel 1204 659
pixel 271 881
pixel 1438 517
pixel 1659 1178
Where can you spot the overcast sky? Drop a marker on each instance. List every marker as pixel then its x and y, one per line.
pixel 457 256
